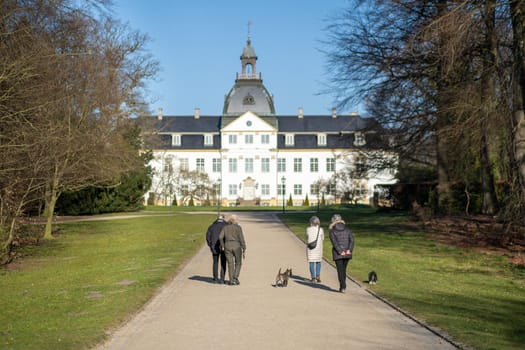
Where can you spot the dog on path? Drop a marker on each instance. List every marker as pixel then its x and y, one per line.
pixel 282 277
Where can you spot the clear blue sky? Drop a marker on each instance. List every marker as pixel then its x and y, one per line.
pixel 198 44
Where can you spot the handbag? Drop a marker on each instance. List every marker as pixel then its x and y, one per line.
pixel 313 244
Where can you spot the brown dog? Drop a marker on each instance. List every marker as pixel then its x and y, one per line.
pixel 282 277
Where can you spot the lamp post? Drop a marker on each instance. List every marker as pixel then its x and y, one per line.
pixel 283 182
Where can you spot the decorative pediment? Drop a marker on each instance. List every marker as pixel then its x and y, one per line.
pixel 248 122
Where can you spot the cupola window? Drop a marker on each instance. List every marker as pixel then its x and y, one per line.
pixel 248 100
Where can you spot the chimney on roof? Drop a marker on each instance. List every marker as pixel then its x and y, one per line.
pixel 334 112
pixel 159 114
pixel 197 113
pixel 300 113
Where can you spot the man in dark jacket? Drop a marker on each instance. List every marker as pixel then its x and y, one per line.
pixel 343 246
pixel 232 241
pixel 212 238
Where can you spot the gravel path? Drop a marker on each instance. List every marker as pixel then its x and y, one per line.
pixel 190 312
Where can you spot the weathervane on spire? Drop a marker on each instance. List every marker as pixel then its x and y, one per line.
pixel 249 26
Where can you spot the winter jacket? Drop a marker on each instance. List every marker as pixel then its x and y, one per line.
pixel 212 235
pixel 342 240
pixel 231 237
pixel 316 254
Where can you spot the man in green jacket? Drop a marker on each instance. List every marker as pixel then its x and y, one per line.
pixel 234 246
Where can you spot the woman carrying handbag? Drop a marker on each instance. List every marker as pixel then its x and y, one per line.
pixel 314 256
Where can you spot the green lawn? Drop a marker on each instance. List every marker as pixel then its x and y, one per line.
pixel 479 299
pixel 66 293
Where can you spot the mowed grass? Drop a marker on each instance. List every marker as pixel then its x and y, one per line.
pixel 66 293
pixel 478 298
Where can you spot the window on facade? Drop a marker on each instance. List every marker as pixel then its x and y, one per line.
pixel 248 139
pixel 359 189
pixel 289 139
pixel 175 140
pixel 232 165
pixel 297 165
pixel 184 164
pixel 331 188
pixel 208 140
pixel 281 165
pixel 297 189
pixel 232 139
pixel 168 165
pixel 321 140
pixel 265 189
pixel 265 139
pixel 216 165
pixel 265 165
pixel 360 166
pixel 281 189
pixel 185 190
pixel 232 190
pixel 314 189
pixel 200 164
pixel 330 164
pixel 248 165
pixel 314 165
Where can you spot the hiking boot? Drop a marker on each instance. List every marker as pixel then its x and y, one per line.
pixel 313 280
pixel 318 279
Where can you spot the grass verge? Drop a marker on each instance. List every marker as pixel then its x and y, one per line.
pixel 477 298
pixel 65 293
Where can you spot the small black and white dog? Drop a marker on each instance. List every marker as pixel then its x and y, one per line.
pixel 372 277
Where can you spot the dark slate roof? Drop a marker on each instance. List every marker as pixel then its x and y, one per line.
pixel 324 123
pixel 188 124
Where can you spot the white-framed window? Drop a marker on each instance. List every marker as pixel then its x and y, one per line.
pixel 281 189
pixel 184 164
pixel 248 165
pixel 216 165
pixel 200 164
pixel 360 166
pixel 330 164
pixel 175 139
pixel 281 165
pixel 297 165
pixel 168 165
pixel 265 139
pixel 232 139
pixel 265 165
pixel 314 165
pixel 265 189
pixel 248 139
pixel 321 139
pixel 289 139
pixel 297 189
pixel 359 139
pixel 232 165
pixel 314 189
pixel 232 190
pixel 208 140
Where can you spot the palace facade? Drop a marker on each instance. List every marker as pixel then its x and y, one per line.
pixel 249 155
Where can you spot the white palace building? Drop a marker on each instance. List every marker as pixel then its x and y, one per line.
pixel 249 155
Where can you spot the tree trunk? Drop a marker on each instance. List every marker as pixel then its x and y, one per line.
pixel 51 197
pixel 490 202
pixel 518 30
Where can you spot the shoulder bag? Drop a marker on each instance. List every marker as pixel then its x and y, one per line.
pixel 313 244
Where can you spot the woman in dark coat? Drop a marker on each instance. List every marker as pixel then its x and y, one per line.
pixel 343 246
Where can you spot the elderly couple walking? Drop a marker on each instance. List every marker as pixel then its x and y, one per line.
pixel 227 245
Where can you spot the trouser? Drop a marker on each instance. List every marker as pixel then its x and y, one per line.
pixel 315 269
pixel 216 258
pixel 234 258
pixel 341 265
